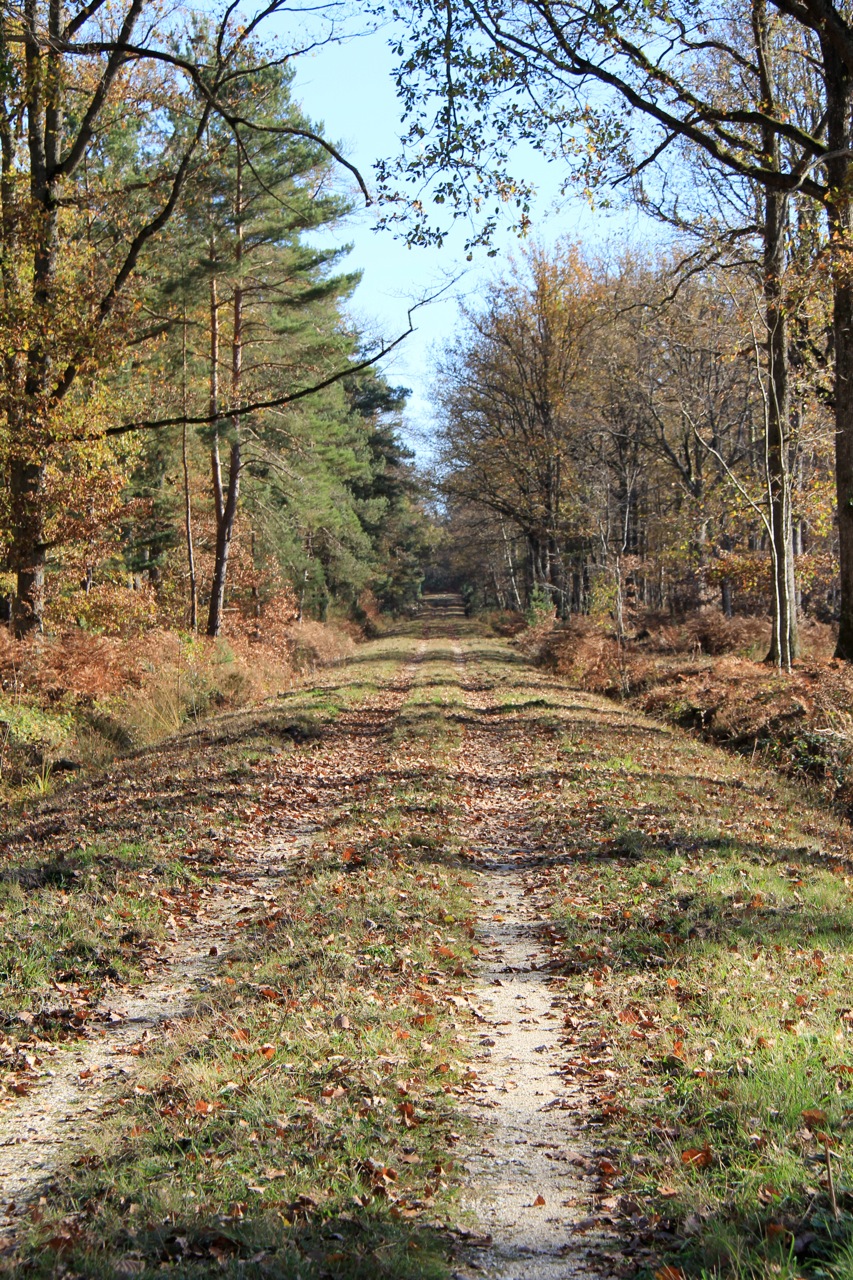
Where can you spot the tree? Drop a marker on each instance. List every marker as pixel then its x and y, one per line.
pixel 272 297
pixel 77 81
pixel 512 389
pixel 477 74
pixel 652 413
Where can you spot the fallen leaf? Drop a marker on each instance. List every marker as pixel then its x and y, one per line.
pixel 700 1157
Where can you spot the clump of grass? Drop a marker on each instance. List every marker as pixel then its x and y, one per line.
pixel 82 920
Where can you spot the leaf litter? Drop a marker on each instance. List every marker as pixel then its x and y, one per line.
pixel 461 951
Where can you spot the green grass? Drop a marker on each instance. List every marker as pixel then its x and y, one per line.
pixel 708 970
pixel 303 1122
pixel 81 920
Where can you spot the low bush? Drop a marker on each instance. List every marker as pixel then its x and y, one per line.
pixel 77 699
pixel 705 673
pixel 318 644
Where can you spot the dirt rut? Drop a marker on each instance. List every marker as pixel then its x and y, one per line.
pixel 525 1182
pixel 44 1130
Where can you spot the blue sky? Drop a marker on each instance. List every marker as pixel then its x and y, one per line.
pixel 348 87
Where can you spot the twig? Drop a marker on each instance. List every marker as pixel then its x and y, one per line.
pixel 830 1179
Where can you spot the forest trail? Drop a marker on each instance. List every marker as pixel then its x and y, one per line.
pixel 366 1042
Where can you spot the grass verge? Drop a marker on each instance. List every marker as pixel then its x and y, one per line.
pixel 706 940
pixel 302 1122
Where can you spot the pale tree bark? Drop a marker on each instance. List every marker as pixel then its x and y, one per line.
pixel 226 514
pixel 784 646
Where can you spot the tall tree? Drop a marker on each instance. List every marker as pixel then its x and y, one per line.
pixel 476 74
pixel 73 232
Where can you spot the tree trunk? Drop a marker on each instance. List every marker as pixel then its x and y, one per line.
pixel 839 97
pixel 224 532
pixel 28 549
pixel 27 474
pixel 511 568
pixel 215 464
pixel 784 647
pixel 727 597
pixel 227 511
pixel 188 510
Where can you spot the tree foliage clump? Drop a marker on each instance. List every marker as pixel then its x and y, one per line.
pixel 180 404
pixel 604 444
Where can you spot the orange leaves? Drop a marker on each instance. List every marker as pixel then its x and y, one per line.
pixel 775 1231
pixel 814 1117
pixel 697 1157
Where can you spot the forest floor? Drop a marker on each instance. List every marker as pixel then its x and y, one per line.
pixel 433 967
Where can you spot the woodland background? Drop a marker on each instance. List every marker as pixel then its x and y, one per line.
pixel 642 452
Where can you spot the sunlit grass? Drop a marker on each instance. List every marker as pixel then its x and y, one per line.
pixel 305 1118
pixel 709 953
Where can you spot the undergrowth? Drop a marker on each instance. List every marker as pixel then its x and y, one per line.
pixel 706 673
pixel 77 700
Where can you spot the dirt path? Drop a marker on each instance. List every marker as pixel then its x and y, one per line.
pixel 449 927
pixel 526 1183
pixel 62 1112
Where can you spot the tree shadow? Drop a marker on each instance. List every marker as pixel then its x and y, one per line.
pixel 284 1240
